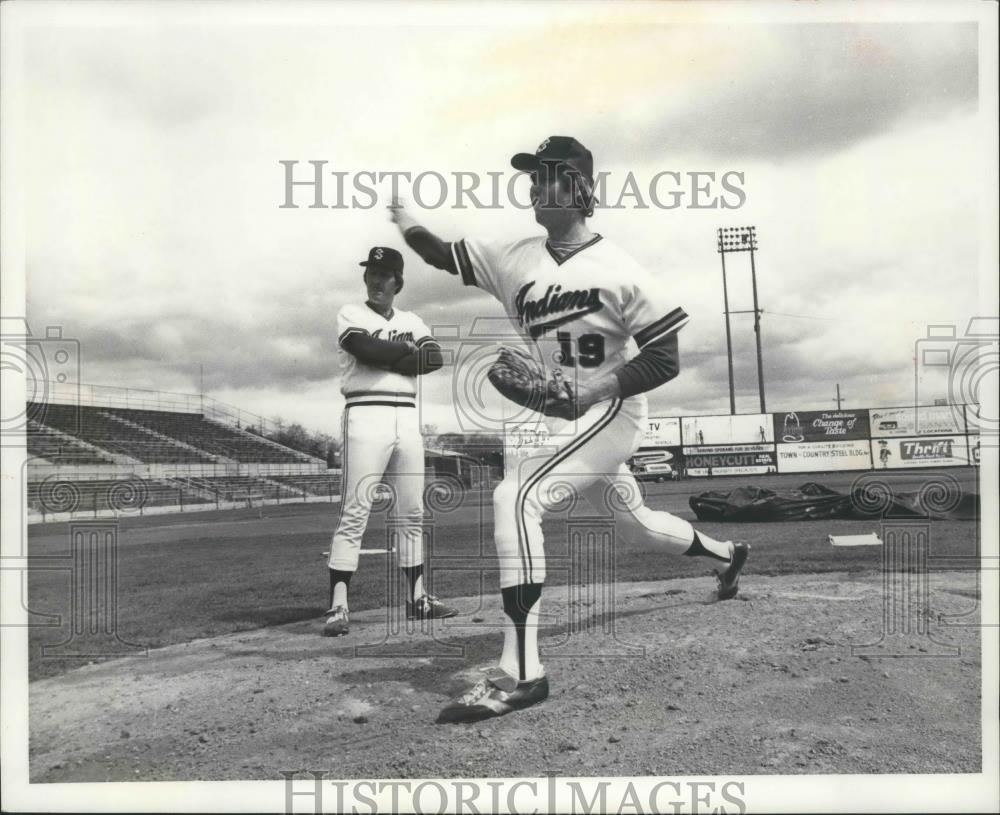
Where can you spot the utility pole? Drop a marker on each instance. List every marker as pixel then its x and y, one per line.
pixel 838 400
pixel 729 336
pixel 756 323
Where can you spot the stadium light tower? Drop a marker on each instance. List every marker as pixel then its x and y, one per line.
pixel 741 239
pixel 729 335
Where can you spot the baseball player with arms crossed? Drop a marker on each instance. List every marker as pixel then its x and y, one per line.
pixel 581 290
pixel 383 350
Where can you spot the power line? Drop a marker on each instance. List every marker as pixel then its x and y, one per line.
pixel 806 316
pixel 834 319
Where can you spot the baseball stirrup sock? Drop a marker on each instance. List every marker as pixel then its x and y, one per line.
pixel 713 549
pixel 518 602
pixel 339 579
pixel 415 580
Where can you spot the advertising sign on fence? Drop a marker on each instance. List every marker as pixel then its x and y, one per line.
pixel 925 420
pixel 662 432
pixel 818 456
pixel 923 451
pixel 820 425
pixel 732 459
pixel 744 428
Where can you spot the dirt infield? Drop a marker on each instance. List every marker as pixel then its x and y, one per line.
pixel 764 684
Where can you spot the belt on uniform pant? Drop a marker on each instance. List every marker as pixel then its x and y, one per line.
pixel 381 399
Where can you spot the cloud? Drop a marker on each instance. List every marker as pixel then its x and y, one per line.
pixel 806 90
pixel 655 92
pixel 155 234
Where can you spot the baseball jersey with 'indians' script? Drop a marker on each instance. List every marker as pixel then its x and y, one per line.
pixel 580 308
pixel 357 377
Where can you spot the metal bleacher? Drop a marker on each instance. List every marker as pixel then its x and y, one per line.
pixel 59 448
pixel 95 426
pixel 215 438
pixel 95 458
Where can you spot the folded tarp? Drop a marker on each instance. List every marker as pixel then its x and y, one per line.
pixel 813 501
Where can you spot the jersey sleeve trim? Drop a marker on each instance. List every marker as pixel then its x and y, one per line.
pixel 348 331
pixel 461 254
pixel 674 321
pixel 425 339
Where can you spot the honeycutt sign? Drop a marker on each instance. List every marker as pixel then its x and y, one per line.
pixel 735 459
pixel 820 425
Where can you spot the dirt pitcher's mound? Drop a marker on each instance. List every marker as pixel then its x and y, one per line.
pixel 806 674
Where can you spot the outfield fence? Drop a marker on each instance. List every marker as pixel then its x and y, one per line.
pixel 803 441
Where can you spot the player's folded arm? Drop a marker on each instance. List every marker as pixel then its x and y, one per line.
pixel 407 366
pixel 426 359
pixel 429 356
pixel 371 350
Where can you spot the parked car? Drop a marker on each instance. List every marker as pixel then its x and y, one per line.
pixel 655 472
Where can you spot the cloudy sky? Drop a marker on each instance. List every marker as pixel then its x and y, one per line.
pixel 154 232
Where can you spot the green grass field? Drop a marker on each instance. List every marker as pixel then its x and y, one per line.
pixel 187 576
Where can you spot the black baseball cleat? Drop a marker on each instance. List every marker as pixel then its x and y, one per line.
pixel 497 694
pixel 336 622
pixel 428 607
pixel 729 580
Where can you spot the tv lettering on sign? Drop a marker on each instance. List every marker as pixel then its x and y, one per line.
pixel 796 427
pixel 662 431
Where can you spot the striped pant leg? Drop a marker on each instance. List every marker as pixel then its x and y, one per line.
pixel 405 476
pixel 600 442
pixel 617 496
pixel 369 437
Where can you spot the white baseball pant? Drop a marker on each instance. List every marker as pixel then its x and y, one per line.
pixel 586 459
pixel 380 443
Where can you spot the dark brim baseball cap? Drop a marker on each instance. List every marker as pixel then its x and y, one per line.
pixel 557 152
pixel 382 257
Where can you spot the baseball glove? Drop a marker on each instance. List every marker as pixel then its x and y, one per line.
pixel 522 379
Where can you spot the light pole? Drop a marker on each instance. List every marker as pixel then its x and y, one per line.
pixel 729 336
pixel 742 239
